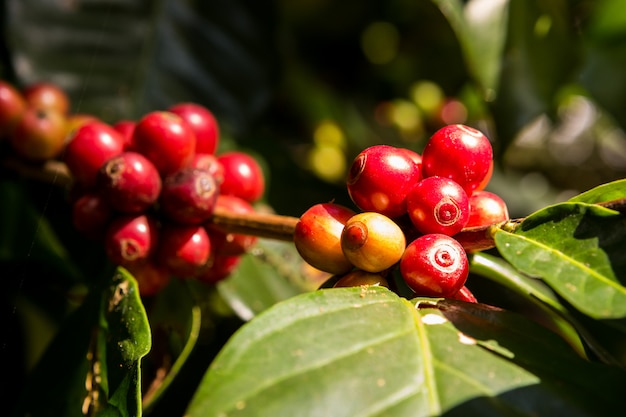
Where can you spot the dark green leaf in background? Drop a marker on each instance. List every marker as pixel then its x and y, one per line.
pixel 365 352
pixel 579 250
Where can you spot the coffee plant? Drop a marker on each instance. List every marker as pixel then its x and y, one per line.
pixel 313 208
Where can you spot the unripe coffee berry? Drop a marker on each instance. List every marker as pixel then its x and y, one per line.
pixel 434 265
pixel 130 182
pixel 372 241
pixel 359 278
pixel 460 153
pixel 380 178
pixel 438 205
pixel 317 237
pixel 39 134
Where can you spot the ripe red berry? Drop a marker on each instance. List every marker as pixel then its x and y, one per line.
pixel 464 294
pixel 12 106
pixel 460 153
pixel 434 265
pixel 126 128
pixel 130 182
pixel 203 123
pixel 208 162
pixel 47 96
pixel 224 242
pixel 380 178
pixel 130 239
pixel 89 147
pixel 218 268
pixel 91 215
pixel 165 139
pixel 183 250
pixel 151 278
pixel 318 237
pixel 486 208
pixel 40 134
pixel 188 196
pixel 243 176
pixel 438 205
pixel 372 241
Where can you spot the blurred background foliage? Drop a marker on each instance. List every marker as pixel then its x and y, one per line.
pixel 305 86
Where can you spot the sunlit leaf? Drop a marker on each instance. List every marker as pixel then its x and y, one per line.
pixel 603 193
pixel 578 249
pixel 365 352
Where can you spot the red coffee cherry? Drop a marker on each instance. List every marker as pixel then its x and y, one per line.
pixel 91 214
pixel 434 265
pixel 464 294
pixel 380 178
pixel 372 241
pixel 39 135
pixel 359 278
pixel 183 250
pixel 130 182
pixel 223 242
pixel 188 196
pixel 208 162
pixel 131 239
pixel 203 123
pixel 47 96
pixel 318 237
pixel 218 268
pixel 438 205
pixel 460 153
pixel 12 106
pixel 151 278
pixel 486 208
pixel 243 176
pixel 89 147
pixel 166 140
pixel 126 128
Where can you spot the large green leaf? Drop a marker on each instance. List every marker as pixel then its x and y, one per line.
pixel 92 367
pixel 579 250
pixel 366 352
pixel 603 193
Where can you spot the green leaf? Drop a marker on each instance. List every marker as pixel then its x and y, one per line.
pixel 366 352
pixel 578 249
pixel 272 272
pixel 92 367
pixel 481 28
pixel 603 193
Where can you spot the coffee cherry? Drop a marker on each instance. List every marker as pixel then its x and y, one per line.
pixel 12 106
pixel 188 196
pixel 127 129
pixel 243 176
pixel 130 182
pixel 47 96
pixel 434 265
pixel 131 239
pixel 203 124
pixel 218 268
pixel 486 208
pixel 460 153
pixel 166 140
pixel 151 278
pixel 464 294
pixel 438 205
pixel 89 147
pixel 223 242
pixel 317 237
pixel 76 120
pixel 380 178
pixel 183 250
pixel 39 135
pixel 372 241
pixel 359 278
pixel 91 214
pixel 208 162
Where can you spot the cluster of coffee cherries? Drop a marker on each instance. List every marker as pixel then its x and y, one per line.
pixel 412 208
pixel 145 188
